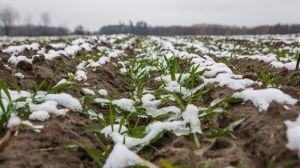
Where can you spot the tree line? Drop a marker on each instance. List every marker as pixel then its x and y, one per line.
pixel 9 27
pixel 142 28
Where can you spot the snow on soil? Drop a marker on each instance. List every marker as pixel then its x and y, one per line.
pixel 152 130
pixel 88 91
pixel 21 48
pixel 151 106
pixel 39 115
pixel 191 116
pixel 122 157
pixel 13 121
pixel 65 100
pixel 48 106
pixel 36 128
pixel 293 134
pixel 179 122
pixel 232 81
pixel 80 76
pixel 14 60
pixel 263 97
pixel 102 92
pixel 20 75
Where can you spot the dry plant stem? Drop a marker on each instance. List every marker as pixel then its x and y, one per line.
pixel 8 135
pixel 298 62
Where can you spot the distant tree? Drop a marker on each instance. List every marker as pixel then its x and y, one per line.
pixel 8 17
pixel 141 28
pixel 79 30
pixel 131 27
pixel 28 19
pixel 45 19
pixel 28 25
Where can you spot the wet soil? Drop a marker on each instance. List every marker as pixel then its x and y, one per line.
pixel 259 139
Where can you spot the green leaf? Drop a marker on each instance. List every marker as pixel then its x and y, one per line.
pixel 111 116
pixel 102 145
pixel 232 100
pixel 64 86
pixel 39 86
pixel 224 131
pixel 122 122
pixel 94 154
pixel 5 89
pixel 179 101
pixel 90 128
pixel 88 100
pixel 16 85
pixel 137 132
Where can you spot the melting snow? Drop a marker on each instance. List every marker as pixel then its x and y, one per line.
pixel 122 157
pixel 80 76
pixel 225 79
pixel 48 106
pixel 21 48
pixel 293 134
pixel 13 121
pixel 39 115
pixel 88 91
pixel 14 60
pixel 20 75
pixel 150 104
pixel 103 92
pixel 262 98
pixel 125 104
pixel 36 128
pixel 65 100
pixel 191 116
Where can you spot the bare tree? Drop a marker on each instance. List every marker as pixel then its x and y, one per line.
pixel 79 30
pixel 28 25
pixel 45 18
pixel 28 19
pixel 8 17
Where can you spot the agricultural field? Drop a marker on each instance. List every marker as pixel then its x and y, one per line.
pixel 145 101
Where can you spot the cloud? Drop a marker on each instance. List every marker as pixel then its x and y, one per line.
pixel 95 13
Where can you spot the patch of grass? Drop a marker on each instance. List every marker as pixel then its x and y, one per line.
pixel 7 106
pixel 294 80
pixel 225 131
pixel 267 78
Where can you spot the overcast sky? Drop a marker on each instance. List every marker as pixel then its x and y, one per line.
pixel 93 14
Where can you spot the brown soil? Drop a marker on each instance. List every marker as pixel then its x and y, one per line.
pixel 259 138
pixel 249 67
pixel 25 149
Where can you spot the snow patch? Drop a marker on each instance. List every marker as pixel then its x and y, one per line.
pixel 190 115
pixel 80 76
pixel 102 92
pixel 293 134
pixel 39 115
pixel 65 100
pixel 262 98
pixel 13 121
pixel 122 157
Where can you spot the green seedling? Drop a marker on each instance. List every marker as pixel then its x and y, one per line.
pixel 225 131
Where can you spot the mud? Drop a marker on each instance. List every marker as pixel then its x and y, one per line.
pixel 26 149
pixel 259 139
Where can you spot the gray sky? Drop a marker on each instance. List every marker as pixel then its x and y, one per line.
pixel 93 14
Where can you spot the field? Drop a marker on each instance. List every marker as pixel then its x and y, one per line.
pixel 134 101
